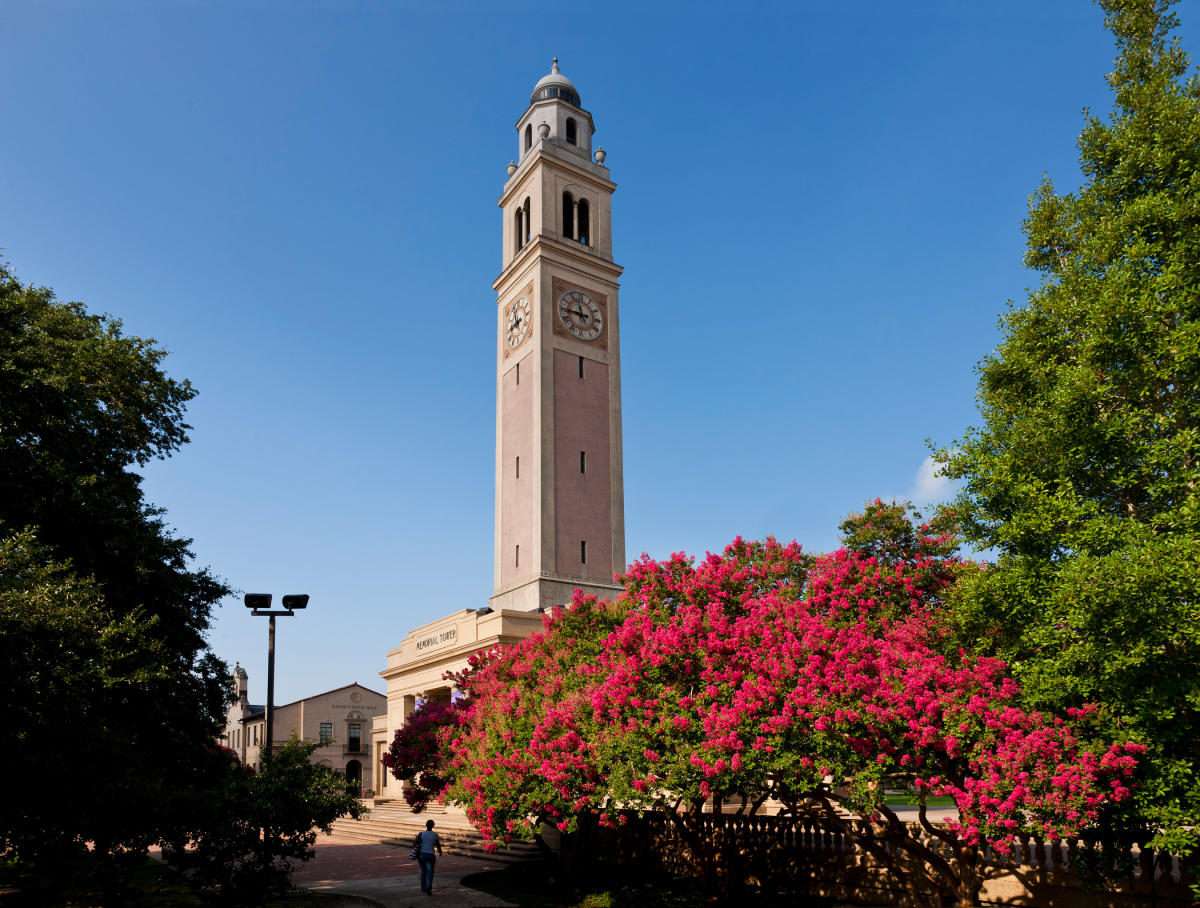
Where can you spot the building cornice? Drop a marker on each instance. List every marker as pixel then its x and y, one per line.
pixel 559 252
pixel 596 174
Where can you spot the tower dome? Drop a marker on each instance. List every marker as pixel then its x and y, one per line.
pixel 555 85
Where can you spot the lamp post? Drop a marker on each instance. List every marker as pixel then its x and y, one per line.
pixel 261 605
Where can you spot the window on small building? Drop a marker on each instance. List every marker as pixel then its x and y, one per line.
pixel 354 737
pixel 255 735
pixel 570 130
pixel 326 732
pixel 584 232
pixel 568 216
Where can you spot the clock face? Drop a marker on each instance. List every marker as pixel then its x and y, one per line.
pixel 516 322
pixel 580 315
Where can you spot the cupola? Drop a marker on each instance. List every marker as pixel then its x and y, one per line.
pixel 555 117
pixel 555 85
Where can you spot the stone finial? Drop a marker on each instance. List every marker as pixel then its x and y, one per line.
pixel 554 66
pixel 601 154
pixel 512 167
pixel 544 130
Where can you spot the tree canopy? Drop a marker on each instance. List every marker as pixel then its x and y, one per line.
pixel 762 673
pixel 1083 475
pixel 113 692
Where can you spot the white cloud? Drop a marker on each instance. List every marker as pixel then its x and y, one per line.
pixel 929 487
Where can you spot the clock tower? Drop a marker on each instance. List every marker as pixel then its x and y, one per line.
pixel 560 504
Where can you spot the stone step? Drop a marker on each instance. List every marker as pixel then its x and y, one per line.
pixel 400 828
pixel 433 808
pixel 409 821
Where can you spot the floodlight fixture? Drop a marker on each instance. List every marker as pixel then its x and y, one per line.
pixel 261 605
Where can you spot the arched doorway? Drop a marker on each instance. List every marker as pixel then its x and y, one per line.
pixel 354 778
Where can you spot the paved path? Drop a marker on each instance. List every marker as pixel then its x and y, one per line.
pixel 382 875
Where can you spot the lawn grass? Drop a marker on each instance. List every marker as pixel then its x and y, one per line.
pixel 911 800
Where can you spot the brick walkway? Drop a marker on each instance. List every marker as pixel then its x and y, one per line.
pixel 383 875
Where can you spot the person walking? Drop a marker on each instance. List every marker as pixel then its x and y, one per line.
pixel 425 843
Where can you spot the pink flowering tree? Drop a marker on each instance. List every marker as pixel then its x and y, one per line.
pixel 521 757
pixel 420 754
pixel 417 755
pixel 762 674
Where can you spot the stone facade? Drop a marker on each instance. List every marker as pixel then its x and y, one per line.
pixel 560 505
pixel 338 720
pixel 416 670
pixel 560 500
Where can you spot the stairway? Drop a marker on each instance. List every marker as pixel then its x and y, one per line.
pixel 397 825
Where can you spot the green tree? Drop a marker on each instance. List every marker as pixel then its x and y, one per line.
pixel 104 618
pixel 1084 474
pixel 65 658
pixel 251 828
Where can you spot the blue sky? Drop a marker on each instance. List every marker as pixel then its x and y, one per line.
pixel 818 211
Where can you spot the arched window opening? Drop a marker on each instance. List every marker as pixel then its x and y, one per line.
pixel 529 137
pixel 519 230
pixel 584 222
pixel 568 216
pixel 570 130
pixel 527 220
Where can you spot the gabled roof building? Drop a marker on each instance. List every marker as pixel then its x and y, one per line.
pixel 338 720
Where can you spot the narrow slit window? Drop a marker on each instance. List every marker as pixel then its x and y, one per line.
pixel 581 367
pixel 583 461
pixel 568 216
pixel 584 217
pixel 583 551
pixel 518 466
pixel 570 130
pixel 527 221
pixel 529 137
pixel 519 228
pixel 517 559
pixel 518 373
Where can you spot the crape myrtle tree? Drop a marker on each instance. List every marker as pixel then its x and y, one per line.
pixel 1084 475
pixel 763 674
pixel 418 755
